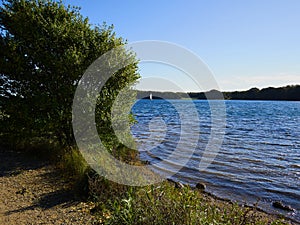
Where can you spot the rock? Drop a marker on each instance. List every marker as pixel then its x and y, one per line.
pixel 176 184
pixel 146 162
pixel 280 205
pixel 201 186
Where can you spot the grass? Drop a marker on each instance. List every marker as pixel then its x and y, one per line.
pixel 165 204
pixel 154 204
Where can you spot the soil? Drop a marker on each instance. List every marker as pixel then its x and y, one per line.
pixel 35 192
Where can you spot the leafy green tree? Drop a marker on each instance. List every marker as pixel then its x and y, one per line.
pixel 45 49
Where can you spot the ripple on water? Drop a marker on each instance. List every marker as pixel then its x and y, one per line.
pixel 259 157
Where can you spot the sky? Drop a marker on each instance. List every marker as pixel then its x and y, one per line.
pixel 251 43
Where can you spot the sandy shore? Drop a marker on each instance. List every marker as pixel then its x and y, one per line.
pixel 34 192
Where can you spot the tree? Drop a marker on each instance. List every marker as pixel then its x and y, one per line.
pixel 45 49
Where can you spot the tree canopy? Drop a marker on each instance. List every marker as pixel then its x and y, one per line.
pixel 287 93
pixel 45 49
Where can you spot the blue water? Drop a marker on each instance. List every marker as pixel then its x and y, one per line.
pixel 258 159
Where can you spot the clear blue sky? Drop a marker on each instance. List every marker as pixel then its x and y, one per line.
pixel 253 43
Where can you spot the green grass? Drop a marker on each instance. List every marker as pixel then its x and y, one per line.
pixel 165 204
pixel 155 204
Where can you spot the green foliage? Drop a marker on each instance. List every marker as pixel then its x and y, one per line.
pixel 45 49
pixel 290 93
pixel 73 164
pixel 165 204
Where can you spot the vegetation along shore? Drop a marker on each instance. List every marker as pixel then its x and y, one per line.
pixel 45 48
pixel 35 190
pixel 287 93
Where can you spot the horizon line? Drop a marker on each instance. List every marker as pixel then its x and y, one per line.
pixel 288 85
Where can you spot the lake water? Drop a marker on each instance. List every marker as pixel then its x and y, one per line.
pixel 258 160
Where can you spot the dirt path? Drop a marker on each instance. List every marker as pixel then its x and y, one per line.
pixel 33 192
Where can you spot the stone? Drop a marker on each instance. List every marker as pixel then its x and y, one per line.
pixel 280 205
pixel 176 184
pixel 201 186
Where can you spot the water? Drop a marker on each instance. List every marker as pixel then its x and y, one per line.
pixel 258 161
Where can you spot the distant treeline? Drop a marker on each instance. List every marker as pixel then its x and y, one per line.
pixel 290 93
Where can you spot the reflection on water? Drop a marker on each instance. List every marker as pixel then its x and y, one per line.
pixel 259 159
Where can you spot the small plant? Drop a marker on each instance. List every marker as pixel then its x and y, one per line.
pixel 165 204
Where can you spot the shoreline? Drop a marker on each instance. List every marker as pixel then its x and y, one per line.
pixel 265 173
pixel 24 199
pixel 286 93
pixel 34 191
pixel 247 205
